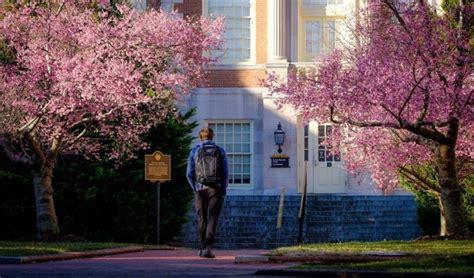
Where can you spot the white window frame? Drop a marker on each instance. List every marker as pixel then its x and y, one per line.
pixel 252 60
pixel 323 50
pixel 252 153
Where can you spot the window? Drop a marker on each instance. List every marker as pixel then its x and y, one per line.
pixel 236 139
pixel 320 37
pixel 325 153
pixel 238 29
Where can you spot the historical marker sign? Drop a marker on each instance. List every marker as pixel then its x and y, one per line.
pixel 157 167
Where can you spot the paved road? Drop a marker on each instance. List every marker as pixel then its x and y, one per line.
pixel 153 263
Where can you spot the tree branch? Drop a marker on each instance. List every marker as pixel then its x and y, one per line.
pixel 35 145
pixel 419 180
pixel 31 124
pixel 361 124
pixel 60 8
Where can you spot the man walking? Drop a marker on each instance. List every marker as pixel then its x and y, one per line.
pixel 207 173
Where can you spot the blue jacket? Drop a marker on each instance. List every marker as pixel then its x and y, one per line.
pixel 190 171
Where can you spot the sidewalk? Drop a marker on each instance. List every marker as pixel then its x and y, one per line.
pixel 119 262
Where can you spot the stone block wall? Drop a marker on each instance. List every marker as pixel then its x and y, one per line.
pixel 250 221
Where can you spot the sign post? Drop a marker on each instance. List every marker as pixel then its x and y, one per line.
pixel 157 169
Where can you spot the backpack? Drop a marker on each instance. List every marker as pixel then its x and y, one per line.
pixel 208 166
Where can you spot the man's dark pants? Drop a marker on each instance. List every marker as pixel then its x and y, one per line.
pixel 208 204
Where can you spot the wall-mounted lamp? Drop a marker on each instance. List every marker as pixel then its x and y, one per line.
pixel 279 137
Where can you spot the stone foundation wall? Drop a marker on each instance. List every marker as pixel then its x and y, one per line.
pixel 250 221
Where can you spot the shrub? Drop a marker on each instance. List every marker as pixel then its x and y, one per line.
pixel 103 202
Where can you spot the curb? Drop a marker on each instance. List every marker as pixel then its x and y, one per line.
pixel 69 255
pixel 358 274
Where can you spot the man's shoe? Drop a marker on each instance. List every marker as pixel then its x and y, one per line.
pixel 208 253
pixel 201 252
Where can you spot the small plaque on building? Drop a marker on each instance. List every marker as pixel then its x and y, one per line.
pixel 280 161
pixel 157 167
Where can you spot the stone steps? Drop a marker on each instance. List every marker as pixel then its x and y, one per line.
pixel 250 221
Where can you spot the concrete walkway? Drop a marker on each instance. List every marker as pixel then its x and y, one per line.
pixel 152 263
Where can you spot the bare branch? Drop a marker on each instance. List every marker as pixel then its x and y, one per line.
pixel 30 125
pixel 424 111
pixel 361 124
pixel 422 182
pixel 60 8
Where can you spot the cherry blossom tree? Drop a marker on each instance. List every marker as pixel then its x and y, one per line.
pixel 90 79
pixel 402 95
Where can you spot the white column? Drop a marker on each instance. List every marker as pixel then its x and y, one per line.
pixel 276 31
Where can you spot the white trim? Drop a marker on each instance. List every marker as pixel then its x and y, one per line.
pixel 251 185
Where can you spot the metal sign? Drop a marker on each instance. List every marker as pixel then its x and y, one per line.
pixel 280 161
pixel 157 167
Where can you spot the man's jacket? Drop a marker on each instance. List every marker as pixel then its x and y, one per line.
pixel 190 171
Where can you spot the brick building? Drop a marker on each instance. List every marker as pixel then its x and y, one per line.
pixel 274 35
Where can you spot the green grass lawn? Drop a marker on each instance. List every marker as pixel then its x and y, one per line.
pixel 426 256
pixel 11 248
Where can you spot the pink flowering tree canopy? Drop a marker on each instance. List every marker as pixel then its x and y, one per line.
pixel 83 76
pixel 402 96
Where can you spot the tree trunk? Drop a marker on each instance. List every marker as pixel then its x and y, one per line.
pixel 453 217
pixel 47 222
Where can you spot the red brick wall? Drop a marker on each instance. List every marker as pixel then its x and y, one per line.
pixel 235 78
pixel 261 31
pixel 190 8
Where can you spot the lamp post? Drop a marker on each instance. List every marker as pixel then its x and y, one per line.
pixel 279 137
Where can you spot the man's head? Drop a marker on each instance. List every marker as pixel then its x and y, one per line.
pixel 206 133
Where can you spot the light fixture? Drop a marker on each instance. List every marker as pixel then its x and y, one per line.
pixel 279 137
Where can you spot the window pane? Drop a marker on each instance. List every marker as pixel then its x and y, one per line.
pixel 321 130
pixel 238 148
pixel 238 169
pixel 238 158
pixel 321 155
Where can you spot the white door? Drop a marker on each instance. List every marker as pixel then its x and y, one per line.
pixel 327 173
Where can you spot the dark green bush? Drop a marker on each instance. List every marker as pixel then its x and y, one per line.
pixel 107 203
pixel 17 202
pixel 103 202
